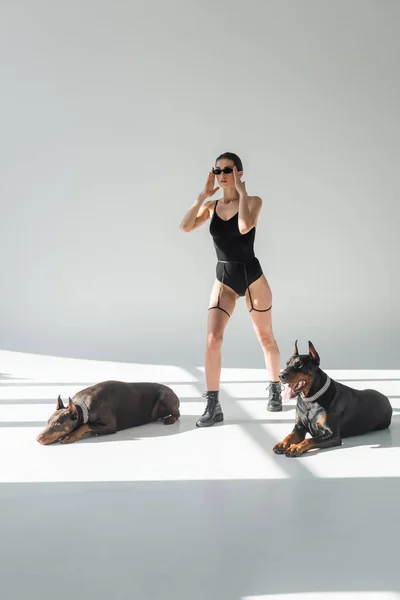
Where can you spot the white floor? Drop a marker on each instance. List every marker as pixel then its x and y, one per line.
pixel 174 512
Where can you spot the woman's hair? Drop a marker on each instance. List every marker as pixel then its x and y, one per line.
pixel 233 157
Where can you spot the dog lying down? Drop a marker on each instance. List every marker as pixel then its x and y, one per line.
pixel 108 407
pixel 327 410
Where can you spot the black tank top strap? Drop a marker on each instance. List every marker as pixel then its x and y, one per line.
pixel 215 210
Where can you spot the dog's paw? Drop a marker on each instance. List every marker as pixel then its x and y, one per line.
pixel 295 450
pixel 67 439
pixel 280 448
pixel 170 420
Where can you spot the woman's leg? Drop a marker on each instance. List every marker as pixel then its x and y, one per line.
pixel 221 306
pixel 259 300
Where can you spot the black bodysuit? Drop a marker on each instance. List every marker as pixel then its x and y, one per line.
pixel 237 265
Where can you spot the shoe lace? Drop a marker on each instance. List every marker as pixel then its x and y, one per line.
pixel 211 402
pixel 275 389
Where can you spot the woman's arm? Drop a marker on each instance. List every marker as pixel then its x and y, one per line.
pixel 249 206
pixel 196 215
pixel 199 212
pixel 249 209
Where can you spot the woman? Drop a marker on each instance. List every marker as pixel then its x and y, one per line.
pixel 238 273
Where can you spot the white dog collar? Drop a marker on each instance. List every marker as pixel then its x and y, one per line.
pixel 83 407
pixel 319 393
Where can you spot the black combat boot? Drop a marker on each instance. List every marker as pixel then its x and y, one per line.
pixel 275 398
pixel 213 412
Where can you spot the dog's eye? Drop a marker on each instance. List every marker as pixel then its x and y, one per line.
pixel 298 365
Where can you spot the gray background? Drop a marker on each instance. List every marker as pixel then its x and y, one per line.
pixel 111 115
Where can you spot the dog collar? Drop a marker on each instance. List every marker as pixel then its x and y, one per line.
pixel 319 393
pixel 83 407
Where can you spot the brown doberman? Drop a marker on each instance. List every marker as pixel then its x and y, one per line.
pixel 108 407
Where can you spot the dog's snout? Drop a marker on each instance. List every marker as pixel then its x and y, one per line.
pixel 43 439
pixel 282 377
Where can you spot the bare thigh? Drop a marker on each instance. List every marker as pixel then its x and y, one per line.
pixel 261 296
pixel 217 318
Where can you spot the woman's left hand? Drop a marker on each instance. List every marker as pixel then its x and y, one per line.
pixel 240 185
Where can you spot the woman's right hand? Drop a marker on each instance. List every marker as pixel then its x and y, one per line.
pixel 209 189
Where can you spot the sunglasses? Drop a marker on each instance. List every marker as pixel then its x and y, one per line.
pixel 226 170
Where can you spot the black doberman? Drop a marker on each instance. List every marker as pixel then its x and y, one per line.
pixel 329 411
pixel 108 407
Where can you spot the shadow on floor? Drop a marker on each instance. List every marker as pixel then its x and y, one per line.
pixel 181 540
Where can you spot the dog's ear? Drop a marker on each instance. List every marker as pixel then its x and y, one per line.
pixel 60 404
pixel 71 406
pixel 313 353
pixel 296 351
